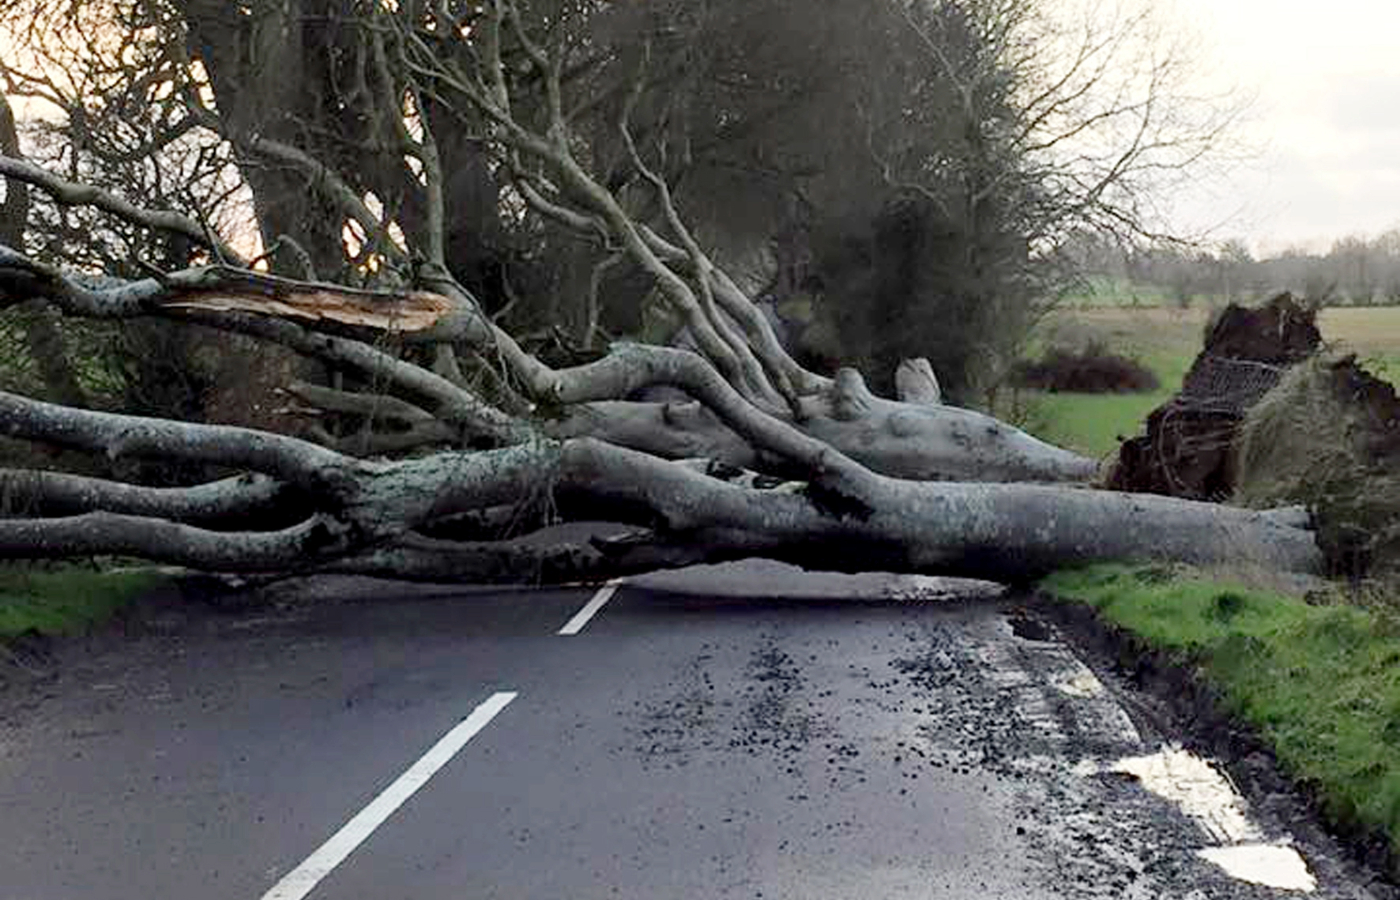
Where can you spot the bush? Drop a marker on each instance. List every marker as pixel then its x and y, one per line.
pixel 1093 370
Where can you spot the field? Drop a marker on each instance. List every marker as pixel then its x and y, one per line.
pixel 1166 339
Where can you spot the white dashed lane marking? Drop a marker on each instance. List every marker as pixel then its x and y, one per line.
pixel 299 882
pixel 590 609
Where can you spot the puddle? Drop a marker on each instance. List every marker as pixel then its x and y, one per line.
pixel 1267 864
pixel 924 588
pixel 1201 791
pixel 1206 795
pixel 1082 684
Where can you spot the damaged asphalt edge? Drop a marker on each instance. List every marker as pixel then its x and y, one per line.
pixel 1170 692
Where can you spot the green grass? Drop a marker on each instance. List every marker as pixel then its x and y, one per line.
pixel 1093 423
pixel 64 600
pixel 1321 684
pixel 1089 423
pixel 1386 366
pixel 1108 290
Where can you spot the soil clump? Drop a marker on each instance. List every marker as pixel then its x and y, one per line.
pixel 1189 447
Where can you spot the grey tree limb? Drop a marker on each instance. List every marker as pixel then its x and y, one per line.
pixel 997 531
pixel 70 193
pixel 359 509
pixel 33 492
pixel 163 541
pixel 118 436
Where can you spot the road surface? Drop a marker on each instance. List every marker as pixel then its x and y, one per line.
pixel 682 738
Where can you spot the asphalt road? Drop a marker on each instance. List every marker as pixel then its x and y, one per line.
pixel 677 745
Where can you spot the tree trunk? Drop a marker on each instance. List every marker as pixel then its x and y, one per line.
pixel 43 337
pixel 42 334
pixel 915 440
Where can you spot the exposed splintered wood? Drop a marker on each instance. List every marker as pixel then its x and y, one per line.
pixel 408 312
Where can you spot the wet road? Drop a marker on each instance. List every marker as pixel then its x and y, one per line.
pixel 673 745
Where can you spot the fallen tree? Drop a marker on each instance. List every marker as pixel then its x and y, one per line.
pixel 444 471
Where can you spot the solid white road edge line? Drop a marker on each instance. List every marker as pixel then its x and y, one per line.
pixel 590 609
pixel 299 882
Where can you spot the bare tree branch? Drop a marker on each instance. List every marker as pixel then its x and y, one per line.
pixel 119 436
pixel 161 540
pixel 70 193
pixel 42 493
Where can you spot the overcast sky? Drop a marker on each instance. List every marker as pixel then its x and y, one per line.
pixel 1326 119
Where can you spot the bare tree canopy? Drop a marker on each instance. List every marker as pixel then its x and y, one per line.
pixel 460 209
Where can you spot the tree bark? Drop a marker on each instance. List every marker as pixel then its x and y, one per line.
pixel 916 440
pixel 367 517
pixel 42 334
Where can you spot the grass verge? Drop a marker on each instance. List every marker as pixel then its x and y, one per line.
pixel 1319 683
pixel 65 600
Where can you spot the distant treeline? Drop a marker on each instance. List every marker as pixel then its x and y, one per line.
pixel 1356 271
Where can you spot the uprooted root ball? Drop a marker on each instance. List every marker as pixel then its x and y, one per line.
pixel 1328 435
